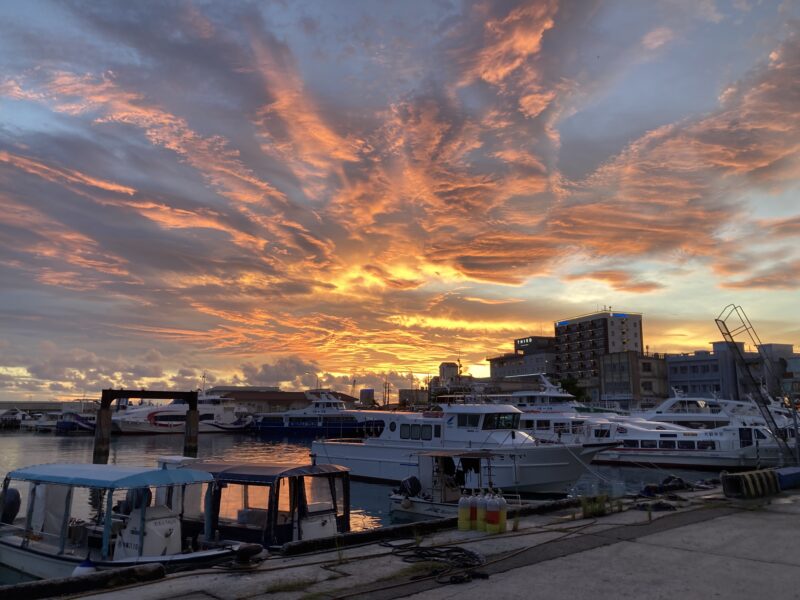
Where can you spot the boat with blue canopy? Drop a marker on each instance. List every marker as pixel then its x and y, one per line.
pixel 102 516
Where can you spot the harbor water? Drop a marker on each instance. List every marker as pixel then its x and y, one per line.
pixel 369 502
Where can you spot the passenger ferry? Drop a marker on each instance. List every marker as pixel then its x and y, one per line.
pixel 326 416
pixel 520 463
pixel 217 415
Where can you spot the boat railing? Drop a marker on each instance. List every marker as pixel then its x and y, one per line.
pixel 512 499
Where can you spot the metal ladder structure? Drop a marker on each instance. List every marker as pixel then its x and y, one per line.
pixel 742 327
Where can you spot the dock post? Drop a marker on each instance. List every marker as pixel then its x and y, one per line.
pixel 102 430
pixel 192 428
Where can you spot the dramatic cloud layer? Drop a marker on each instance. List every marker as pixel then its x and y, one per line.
pixel 303 193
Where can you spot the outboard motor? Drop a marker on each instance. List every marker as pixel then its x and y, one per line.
pixel 11 502
pixel 410 486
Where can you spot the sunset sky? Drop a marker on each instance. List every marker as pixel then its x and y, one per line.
pixel 278 191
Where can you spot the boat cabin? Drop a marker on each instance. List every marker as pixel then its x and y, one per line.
pixel 443 473
pixel 272 504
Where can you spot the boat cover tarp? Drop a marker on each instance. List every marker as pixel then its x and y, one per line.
pixel 108 476
pixel 265 474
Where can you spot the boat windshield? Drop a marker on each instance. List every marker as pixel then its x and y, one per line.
pixel 501 421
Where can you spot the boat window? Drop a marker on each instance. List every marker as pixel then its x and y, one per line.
pixel 405 431
pixel 339 484
pixel 415 432
pixel 437 431
pixel 759 434
pixel 392 426
pixel 602 433
pixel 649 444
pixel 542 424
pixel 231 501
pixel 427 432
pixel 577 427
pixel 468 420
pixel 630 443
pixel 501 421
pixel 561 427
pixel 666 444
pixel 710 445
pixel 318 494
pixel 685 445
pixel 256 496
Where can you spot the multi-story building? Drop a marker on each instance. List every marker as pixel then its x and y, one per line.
pixel 582 341
pixel 532 354
pixel 706 374
pixel 633 380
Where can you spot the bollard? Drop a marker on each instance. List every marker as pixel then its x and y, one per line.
pixel 102 435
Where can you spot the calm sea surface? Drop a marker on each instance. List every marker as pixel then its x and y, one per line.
pixel 370 502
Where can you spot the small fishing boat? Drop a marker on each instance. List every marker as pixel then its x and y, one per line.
pixel 435 492
pixel 101 516
pixel 271 504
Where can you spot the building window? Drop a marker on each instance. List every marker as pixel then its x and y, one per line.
pixel 647 386
pixel 695 369
pixel 673 370
pixel 646 367
pixel 684 369
pixel 714 368
pixel 705 368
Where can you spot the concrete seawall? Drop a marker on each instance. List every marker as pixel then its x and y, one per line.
pixel 708 547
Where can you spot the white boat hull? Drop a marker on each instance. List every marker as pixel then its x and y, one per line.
pixel 546 469
pixel 745 458
pixel 145 427
pixel 48 566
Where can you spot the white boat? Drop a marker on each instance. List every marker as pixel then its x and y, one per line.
pixel 217 415
pixel 325 416
pixel 670 445
pixel 521 465
pixel 41 423
pixel 58 530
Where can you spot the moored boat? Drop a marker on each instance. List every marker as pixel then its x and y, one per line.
pixel 522 464
pixel 100 514
pixel 326 416
pixel 271 504
pixel 217 415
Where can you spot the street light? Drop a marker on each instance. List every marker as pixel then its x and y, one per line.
pixel 315 375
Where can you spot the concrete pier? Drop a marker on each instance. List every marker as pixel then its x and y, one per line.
pixel 709 547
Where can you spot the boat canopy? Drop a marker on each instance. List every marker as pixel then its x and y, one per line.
pixel 110 477
pixel 262 473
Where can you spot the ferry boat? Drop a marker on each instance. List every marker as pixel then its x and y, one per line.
pixel 522 464
pixel 100 517
pixel 326 416
pixel 75 422
pixel 217 415
pixel 670 445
